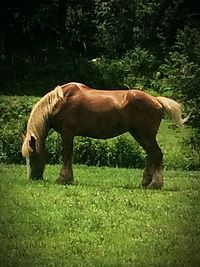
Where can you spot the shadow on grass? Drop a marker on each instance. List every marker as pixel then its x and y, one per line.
pixel 98 184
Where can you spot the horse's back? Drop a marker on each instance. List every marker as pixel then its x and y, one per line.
pixel 80 96
pixel 133 95
pixel 105 113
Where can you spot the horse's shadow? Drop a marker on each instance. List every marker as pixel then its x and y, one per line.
pixel 135 186
pixel 132 187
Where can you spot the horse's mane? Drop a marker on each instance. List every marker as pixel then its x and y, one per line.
pixel 37 122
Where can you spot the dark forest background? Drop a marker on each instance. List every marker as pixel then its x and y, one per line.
pixel 153 45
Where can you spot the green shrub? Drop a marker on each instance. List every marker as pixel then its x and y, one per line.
pixel 139 66
pixel 120 152
pixel 10 145
pixel 111 71
pixel 54 148
pixel 176 76
pixel 179 77
pixel 127 153
pixel 13 121
pixel 135 69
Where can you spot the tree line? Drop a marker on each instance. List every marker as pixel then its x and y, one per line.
pixel 135 43
pixel 94 28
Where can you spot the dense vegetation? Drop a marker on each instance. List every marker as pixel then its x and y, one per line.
pixel 148 44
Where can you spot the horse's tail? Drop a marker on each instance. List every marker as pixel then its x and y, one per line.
pixel 172 110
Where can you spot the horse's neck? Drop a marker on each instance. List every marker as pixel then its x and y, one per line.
pixel 39 118
pixel 43 136
pixel 39 129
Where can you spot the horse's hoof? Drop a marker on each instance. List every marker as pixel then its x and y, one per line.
pixel 36 178
pixel 145 183
pixel 154 185
pixel 64 182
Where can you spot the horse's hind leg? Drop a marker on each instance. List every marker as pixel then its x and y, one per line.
pixel 153 176
pixel 156 161
pixel 66 173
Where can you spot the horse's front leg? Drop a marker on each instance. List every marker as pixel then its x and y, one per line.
pixel 66 173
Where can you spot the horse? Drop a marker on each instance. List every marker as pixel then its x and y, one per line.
pixel 75 109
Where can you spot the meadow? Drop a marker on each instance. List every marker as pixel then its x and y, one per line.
pixel 105 219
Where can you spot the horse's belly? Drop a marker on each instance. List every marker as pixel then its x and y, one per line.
pixel 101 135
pixel 102 129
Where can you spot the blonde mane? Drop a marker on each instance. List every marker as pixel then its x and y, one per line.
pixel 37 123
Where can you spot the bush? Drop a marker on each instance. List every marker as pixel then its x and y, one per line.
pixel 139 66
pixel 135 69
pixel 176 76
pixel 13 121
pixel 111 71
pixel 179 77
pixel 118 152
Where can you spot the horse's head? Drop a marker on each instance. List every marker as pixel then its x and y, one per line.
pixel 35 157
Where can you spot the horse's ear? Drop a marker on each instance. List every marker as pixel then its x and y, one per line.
pixel 32 142
pixel 23 136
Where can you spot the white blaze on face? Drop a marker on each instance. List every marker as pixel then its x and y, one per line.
pixel 28 166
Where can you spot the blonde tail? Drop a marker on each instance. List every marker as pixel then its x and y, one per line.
pixel 172 110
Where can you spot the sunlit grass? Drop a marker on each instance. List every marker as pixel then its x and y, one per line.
pixel 105 219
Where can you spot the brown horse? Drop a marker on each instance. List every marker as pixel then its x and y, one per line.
pixel 74 109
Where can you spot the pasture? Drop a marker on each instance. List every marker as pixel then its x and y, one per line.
pixel 105 219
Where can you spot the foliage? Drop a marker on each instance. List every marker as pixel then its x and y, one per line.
pixel 188 42
pixel 139 66
pixel 58 69
pixel 179 76
pixel 119 152
pixel 111 71
pixel 103 220
pixel 13 121
pixel 175 75
pixel 135 69
pixel 92 28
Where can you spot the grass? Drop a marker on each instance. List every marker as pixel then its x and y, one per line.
pixel 105 219
pixel 172 141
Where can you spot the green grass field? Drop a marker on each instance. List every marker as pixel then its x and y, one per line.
pixel 105 219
